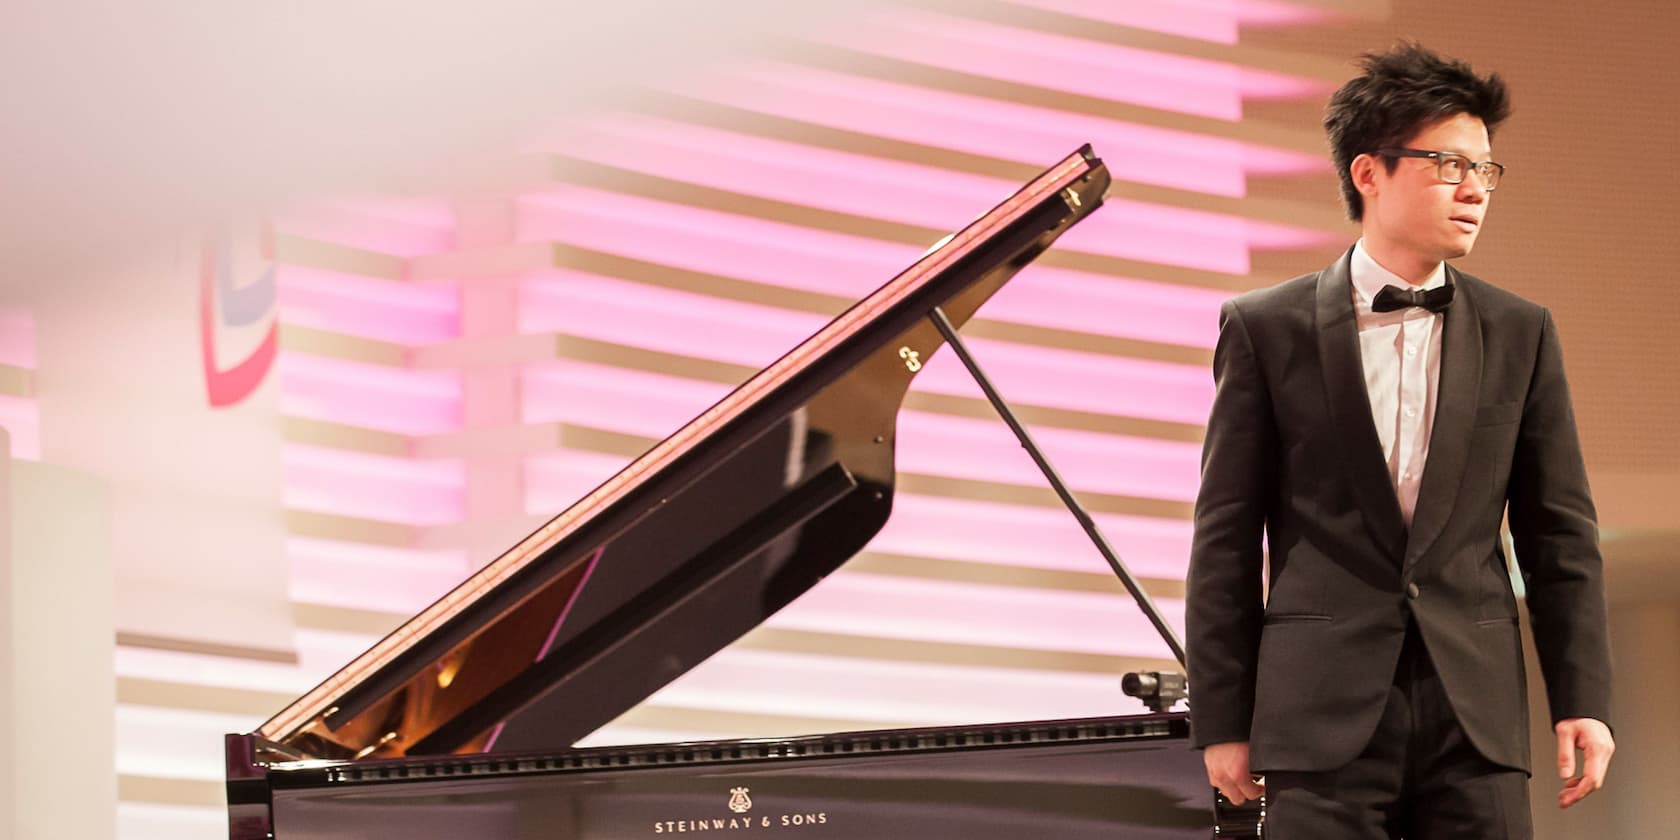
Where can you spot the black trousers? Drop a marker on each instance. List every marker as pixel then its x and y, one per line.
pixel 1420 778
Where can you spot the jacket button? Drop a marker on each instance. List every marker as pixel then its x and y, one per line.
pixel 1411 590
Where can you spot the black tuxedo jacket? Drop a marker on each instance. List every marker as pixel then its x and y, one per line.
pixel 1301 668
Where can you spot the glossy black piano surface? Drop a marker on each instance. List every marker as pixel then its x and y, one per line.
pixel 1129 777
pixel 461 722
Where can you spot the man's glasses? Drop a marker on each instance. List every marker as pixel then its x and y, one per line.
pixel 1452 166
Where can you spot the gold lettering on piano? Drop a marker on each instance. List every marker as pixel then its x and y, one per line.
pixel 805 819
pixel 740 802
pixel 1071 197
pixel 912 359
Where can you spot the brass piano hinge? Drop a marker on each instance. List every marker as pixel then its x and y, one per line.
pixel 912 359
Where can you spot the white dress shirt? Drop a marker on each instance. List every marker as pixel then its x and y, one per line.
pixel 1401 354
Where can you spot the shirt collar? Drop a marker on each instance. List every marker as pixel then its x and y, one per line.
pixel 1369 277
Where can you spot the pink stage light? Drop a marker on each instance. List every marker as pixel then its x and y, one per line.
pixel 1012 131
pixel 976 125
pixel 21 418
pixel 1206 20
pixel 654 405
pixel 1177 236
pixel 1281 13
pixel 219 671
pixel 628 401
pixel 1038 537
pixel 415 402
pixel 860 604
pixel 1149 78
pixel 368 307
pixel 712 242
pixel 919 195
pixel 775 169
pixel 790 255
pixel 1054 62
pixel 1101 305
pixel 1219 21
pixel 584 304
pixel 377 487
pixel 556 479
pixel 808 685
pixel 985 450
pixel 654 318
pixel 401 227
pixel 944 446
pixel 400 581
pixel 1263 86
pixel 1089 382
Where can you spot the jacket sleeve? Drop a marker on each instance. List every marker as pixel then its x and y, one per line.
pixel 1555 531
pixel 1224 608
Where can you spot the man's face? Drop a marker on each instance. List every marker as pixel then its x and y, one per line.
pixel 1413 219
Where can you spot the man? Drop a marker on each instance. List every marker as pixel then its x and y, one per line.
pixel 1375 421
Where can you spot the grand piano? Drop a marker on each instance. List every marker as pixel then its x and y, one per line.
pixel 460 723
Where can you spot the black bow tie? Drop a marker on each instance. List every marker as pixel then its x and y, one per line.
pixel 1392 298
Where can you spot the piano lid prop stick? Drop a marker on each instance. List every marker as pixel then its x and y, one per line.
pixel 1144 602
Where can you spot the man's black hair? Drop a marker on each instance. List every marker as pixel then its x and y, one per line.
pixel 1400 93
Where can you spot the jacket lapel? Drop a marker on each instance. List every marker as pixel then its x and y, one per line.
pixel 1455 414
pixel 1350 407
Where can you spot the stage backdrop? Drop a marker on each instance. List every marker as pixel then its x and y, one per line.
pixel 313 422
pixel 455 369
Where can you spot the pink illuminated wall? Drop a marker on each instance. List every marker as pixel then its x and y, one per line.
pixel 458 390
pixel 454 370
pixel 1002 129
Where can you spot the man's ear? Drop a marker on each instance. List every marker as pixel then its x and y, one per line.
pixel 1364 171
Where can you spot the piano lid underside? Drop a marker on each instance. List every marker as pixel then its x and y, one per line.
pixel 700 553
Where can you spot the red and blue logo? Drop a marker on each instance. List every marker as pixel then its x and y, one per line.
pixel 228 307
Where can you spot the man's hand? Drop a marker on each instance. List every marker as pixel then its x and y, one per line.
pixel 1227 769
pixel 1589 736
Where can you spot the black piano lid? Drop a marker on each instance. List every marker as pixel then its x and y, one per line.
pixel 694 543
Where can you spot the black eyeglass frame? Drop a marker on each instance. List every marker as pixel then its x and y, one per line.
pixel 1440 158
